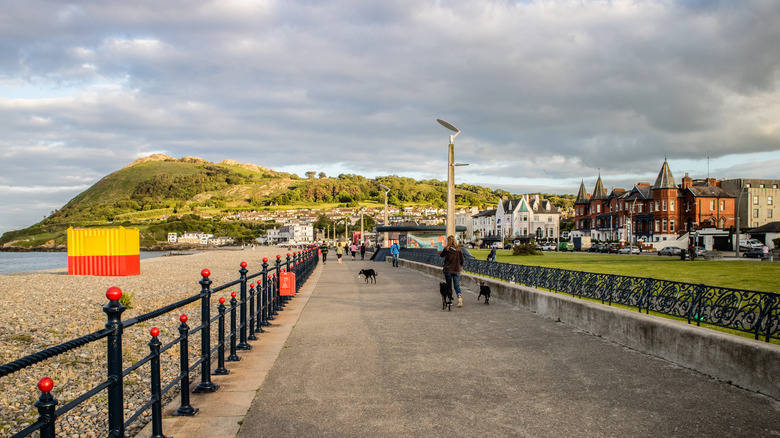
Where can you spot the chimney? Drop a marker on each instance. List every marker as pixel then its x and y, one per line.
pixel 687 181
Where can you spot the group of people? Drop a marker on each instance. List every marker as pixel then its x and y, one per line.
pixel 452 254
pixel 341 248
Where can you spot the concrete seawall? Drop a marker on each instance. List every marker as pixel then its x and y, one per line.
pixel 747 363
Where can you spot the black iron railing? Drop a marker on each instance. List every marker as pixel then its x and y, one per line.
pixel 255 308
pixel 757 313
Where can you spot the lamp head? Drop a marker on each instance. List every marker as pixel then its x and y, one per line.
pixel 451 127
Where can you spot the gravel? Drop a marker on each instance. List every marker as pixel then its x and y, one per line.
pixel 44 308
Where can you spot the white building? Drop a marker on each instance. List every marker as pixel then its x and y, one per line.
pixel 527 217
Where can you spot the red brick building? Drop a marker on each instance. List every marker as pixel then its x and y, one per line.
pixel 660 212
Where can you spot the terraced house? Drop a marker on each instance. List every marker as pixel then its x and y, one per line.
pixel 661 212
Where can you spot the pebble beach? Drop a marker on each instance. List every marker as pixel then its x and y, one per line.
pixel 45 308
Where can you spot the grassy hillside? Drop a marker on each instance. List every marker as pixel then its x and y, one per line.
pixel 157 186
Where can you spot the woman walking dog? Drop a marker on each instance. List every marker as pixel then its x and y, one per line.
pixel 453 262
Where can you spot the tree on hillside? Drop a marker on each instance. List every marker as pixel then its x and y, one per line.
pixel 310 174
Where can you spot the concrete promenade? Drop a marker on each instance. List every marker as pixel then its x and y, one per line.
pixel 349 359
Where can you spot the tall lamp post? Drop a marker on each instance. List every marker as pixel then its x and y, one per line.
pixel 450 223
pixel 384 240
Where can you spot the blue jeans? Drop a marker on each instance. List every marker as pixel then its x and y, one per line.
pixel 453 279
pixel 395 259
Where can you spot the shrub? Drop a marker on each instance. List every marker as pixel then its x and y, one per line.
pixel 126 300
pixel 525 249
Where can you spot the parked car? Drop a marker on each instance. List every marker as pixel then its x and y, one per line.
pixel 629 250
pixel 700 251
pixel 548 247
pixel 753 253
pixel 613 248
pixel 596 247
pixel 669 250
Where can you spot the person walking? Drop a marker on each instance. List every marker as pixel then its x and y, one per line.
pixel 363 251
pixel 394 251
pixel 339 252
pixel 453 263
pixel 324 251
pixel 353 250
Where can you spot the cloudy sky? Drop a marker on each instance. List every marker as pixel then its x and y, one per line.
pixel 546 93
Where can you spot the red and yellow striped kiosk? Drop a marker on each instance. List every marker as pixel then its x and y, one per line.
pixel 104 251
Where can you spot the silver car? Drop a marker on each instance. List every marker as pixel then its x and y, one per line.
pixel 669 250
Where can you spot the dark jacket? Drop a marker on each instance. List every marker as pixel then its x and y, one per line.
pixel 453 259
pixel 324 249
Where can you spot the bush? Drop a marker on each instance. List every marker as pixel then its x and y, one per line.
pixel 525 249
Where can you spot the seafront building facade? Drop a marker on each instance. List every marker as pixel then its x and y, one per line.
pixel 663 211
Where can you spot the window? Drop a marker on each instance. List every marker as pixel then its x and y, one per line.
pixel 664 228
pixel 657 225
pixel 671 205
pixel 769 213
pixel 761 186
pixel 722 205
pixel 755 200
pixel 671 225
pixel 640 208
pixel 656 206
pixel 663 205
pixel 712 204
pixel 536 218
pixel 755 212
pixel 769 200
pixel 549 218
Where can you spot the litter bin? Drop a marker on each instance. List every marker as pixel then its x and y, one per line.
pixel 683 253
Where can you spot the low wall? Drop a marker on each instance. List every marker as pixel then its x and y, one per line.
pixel 747 363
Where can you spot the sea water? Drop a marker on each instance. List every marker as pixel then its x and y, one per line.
pixel 11 262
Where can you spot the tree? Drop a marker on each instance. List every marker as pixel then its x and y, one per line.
pixel 322 175
pixel 310 174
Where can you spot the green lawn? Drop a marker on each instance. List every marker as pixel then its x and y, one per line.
pixel 739 274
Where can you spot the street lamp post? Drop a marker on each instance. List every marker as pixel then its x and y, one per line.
pixel 450 222
pixel 384 241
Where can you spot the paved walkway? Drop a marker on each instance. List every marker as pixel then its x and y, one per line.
pixel 368 360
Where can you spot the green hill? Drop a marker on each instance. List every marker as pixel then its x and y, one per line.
pixel 151 189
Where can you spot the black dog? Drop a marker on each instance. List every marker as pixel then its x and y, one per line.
pixel 369 274
pixel 446 296
pixel 484 290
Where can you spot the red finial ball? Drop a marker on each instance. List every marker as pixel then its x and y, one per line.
pixel 251 285
pixel 265 259
pixel 243 264
pixel 233 294
pixel 205 273
pixel 288 254
pixel 278 256
pixel 155 332
pixel 114 293
pixel 221 300
pixel 46 384
pixel 183 318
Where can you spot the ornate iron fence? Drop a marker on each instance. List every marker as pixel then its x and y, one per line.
pixel 255 308
pixel 757 313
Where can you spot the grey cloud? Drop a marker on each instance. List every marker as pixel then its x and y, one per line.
pixel 355 85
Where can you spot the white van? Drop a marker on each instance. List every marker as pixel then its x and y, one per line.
pixel 746 244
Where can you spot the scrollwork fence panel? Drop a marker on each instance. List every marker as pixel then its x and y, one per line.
pixel 747 311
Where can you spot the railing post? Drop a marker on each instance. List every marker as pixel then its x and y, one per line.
pixel 252 316
pixel 185 410
pixel 205 385
pixel 113 310
pixel 266 299
pixel 45 404
pixel 233 356
pixel 277 276
pixel 221 370
pixel 243 344
pixel 154 349
pixel 258 315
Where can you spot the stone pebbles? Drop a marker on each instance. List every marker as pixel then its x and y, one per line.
pixel 45 308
